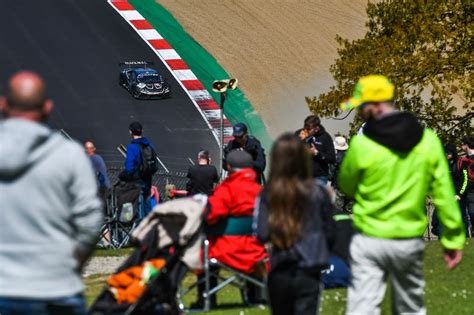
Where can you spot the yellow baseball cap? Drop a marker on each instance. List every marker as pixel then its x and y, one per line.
pixel 371 88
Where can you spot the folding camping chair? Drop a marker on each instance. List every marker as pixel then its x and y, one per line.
pixel 237 279
pixel 119 224
pixel 105 232
pixel 125 213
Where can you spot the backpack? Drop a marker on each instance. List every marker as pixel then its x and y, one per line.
pixel 149 165
pixel 466 163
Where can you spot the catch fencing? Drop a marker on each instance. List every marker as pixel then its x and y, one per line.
pixel 161 179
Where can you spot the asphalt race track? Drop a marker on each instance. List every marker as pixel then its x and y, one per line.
pixel 76 46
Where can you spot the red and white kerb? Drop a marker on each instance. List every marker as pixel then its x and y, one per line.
pixel 201 98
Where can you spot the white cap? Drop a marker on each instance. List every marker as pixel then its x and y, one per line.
pixel 340 144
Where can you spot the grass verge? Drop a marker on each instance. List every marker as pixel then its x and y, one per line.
pixel 101 252
pixel 445 292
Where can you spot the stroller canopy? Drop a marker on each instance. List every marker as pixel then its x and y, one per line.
pixel 177 221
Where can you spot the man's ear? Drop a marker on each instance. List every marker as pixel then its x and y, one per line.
pixel 47 107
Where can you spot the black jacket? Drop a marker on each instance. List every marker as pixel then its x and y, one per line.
pixel 254 148
pixel 201 179
pixel 326 152
pixel 456 174
pixel 311 251
pixel 334 169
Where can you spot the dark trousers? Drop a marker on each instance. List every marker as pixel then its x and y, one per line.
pixel 104 194
pixel 468 204
pixel 144 201
pixel 72 305
pixel 467 218
pixel 294 291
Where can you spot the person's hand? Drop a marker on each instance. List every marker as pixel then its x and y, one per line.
pixel 458 198
pixel 313 150
pixel 303 134
pixel 452 257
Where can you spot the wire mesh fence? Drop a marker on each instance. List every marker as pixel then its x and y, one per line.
pixel 161 179
pixel 179 179
pixel 115 231
pixel 346 205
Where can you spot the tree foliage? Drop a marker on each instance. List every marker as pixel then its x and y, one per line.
pixel 426 49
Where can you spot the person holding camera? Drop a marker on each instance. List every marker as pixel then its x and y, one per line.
pixel 321 147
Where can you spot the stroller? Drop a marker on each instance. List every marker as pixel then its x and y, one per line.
pixel 171 233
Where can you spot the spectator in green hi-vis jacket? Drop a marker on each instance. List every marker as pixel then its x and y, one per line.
pixel 389 171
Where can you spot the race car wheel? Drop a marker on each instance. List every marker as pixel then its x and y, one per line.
pixel 136 94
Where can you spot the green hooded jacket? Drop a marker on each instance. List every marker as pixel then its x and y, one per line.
pixel 390 171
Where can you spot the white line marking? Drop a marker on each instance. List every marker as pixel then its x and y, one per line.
pixel 162 164
pixel 66 135
pixel 120 148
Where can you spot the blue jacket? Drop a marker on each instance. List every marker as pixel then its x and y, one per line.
pixel 100 170
pixel 134 159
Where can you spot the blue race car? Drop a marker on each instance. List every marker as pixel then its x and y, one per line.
pixel 143 82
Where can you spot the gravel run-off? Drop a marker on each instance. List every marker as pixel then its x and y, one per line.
pixel 102 265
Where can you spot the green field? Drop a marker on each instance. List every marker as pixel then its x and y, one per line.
pixel 446 292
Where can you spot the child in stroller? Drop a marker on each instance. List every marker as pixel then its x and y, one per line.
pixel 169 241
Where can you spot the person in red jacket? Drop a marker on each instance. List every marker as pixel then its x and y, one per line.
pixel 230 217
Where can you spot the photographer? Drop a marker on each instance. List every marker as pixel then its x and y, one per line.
pixel 320 145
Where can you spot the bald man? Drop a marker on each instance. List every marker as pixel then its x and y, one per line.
pixel 50 211
pixel 100 170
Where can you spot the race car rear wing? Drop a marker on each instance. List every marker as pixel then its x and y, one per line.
pixel 136 63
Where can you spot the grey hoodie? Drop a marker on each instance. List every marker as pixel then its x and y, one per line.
pixel 49 211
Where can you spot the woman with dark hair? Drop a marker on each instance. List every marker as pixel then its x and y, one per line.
pixel 293 218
